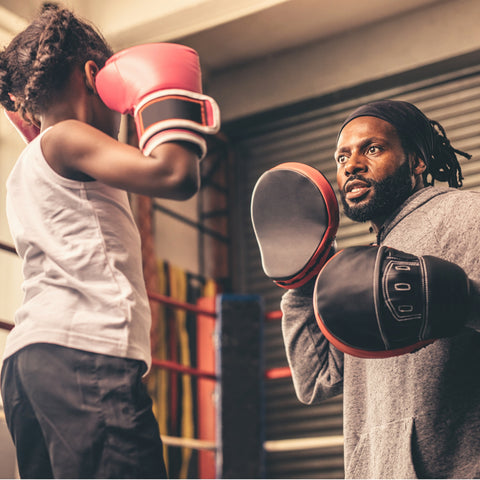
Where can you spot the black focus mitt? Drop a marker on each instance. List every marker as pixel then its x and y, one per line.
pixel 295 218
pixel 378 302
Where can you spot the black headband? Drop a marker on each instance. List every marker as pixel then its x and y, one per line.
pixel 410 123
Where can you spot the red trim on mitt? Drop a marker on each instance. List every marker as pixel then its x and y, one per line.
pixel 320 255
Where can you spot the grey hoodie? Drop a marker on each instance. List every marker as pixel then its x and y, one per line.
pixel 416 415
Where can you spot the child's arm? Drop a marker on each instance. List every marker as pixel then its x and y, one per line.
pixel 160 86
pixel 170 171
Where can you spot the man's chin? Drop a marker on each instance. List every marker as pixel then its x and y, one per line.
pixel 358 211
pixel 358 202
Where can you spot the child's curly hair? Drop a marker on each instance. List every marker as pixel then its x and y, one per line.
pixel 39 60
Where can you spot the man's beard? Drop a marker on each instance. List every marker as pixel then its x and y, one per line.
pixel 388 195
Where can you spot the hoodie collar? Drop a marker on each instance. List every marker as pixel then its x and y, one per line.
pixel 410 205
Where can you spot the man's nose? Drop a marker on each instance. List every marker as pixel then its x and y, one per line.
pixel 355 164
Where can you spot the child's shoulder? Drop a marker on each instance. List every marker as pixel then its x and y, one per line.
pixel 69 135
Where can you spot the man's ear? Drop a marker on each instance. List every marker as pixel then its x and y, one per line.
pixel 91 70
pixel 418 165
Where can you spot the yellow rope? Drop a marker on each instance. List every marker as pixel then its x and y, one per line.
pixel 179 291
pixel 158 379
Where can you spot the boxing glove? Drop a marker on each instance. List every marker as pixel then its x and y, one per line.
pixel 295 218
pixel 378 302
pixel 160 85
pixel 26 130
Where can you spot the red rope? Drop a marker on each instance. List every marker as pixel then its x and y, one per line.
pixel 7 248
pixel 6 325
pixel 176 303
pixel 182 369
pixel 281 372
pixel 275 315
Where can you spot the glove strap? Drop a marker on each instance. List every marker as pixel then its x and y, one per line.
pixel 179 115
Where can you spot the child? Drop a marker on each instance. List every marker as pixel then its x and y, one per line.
pixel 73 365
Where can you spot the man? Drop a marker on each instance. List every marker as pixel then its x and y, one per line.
pixel 415 415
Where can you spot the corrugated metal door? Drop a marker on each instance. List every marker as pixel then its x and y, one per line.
pixel 309 136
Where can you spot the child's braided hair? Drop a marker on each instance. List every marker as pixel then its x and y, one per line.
pixel 39 60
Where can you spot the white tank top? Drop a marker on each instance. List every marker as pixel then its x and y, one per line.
pixel 83 282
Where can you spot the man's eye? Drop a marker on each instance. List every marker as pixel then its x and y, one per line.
pixel 341 159
pixel 373 149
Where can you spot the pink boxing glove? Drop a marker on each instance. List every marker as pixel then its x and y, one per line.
pixel 27 131
pixel 160 85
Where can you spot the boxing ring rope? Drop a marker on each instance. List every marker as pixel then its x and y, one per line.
pixel 7 248
pixel 176 303
pixel 311 443
pixel 175 367
pixel 6 325
pixel 273 315
pixel 189 443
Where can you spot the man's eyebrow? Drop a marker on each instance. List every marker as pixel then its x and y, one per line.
pixel 375 139
pixel 363 143
pixel 340 150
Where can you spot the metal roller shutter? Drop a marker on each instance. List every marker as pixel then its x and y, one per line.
pixel 309 136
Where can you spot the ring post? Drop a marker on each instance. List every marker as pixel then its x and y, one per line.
pixel 240 412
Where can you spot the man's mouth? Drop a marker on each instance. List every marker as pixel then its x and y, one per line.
pixel 356 189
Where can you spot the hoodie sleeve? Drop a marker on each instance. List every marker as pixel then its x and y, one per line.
pixel 459 242
pixel 317 366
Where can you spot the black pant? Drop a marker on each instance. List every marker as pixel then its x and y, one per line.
pixel 75 414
